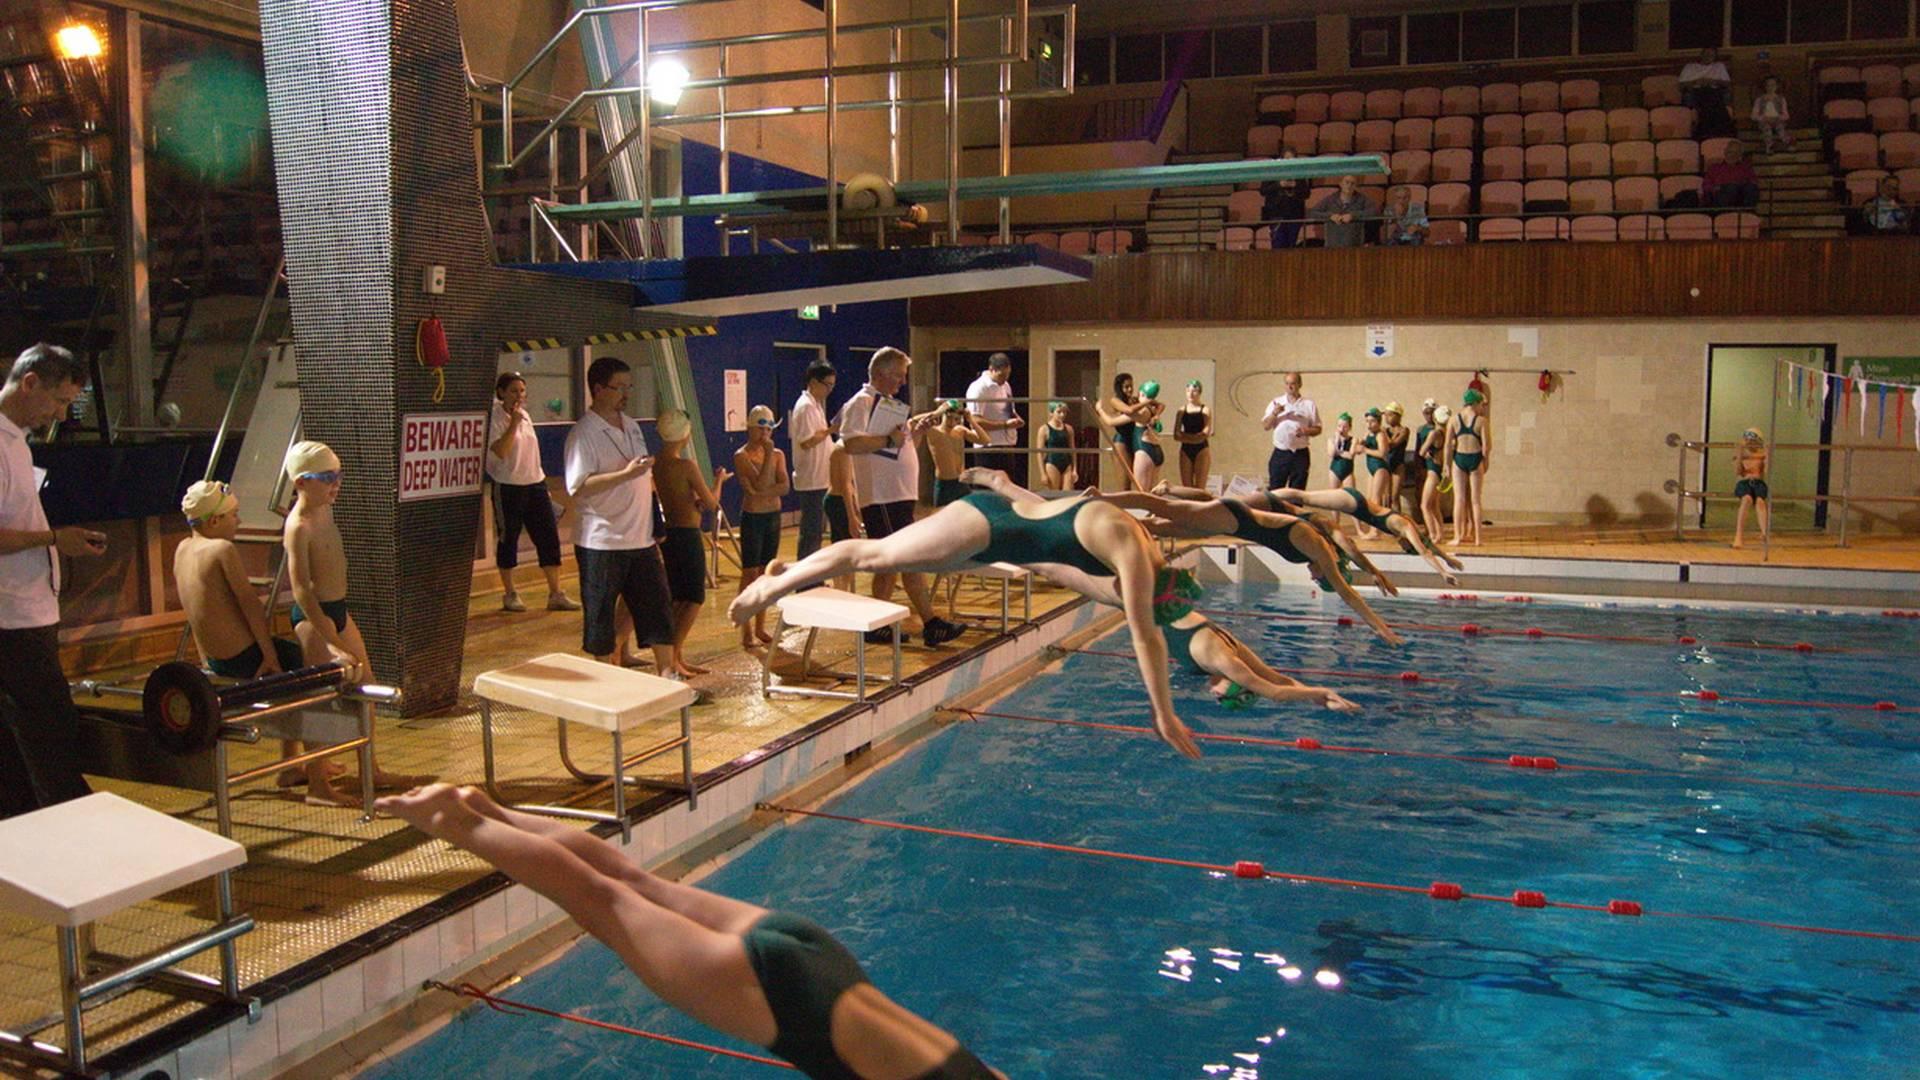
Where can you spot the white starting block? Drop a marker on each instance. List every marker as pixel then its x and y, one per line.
pixel 578 690
pixel 832 609
pixel 80 861
pixel 1006 574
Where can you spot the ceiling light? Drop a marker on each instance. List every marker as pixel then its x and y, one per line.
pixel 665 79
pixel 76 41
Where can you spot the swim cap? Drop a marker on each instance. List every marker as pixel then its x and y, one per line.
pixel 1347 416
pixel 205 500
pixel 953 405
pixel 1472 397
pixel 1442 414
pixel 1150 390
pixel 304 458
pixel 760 415
pixel 1394 408
pixel 673 425
pixel 1052 405
pixel 1195 384
pixel 1752 434
pixel 1427 404
pixel 1371 411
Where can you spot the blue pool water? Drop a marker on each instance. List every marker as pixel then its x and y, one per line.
pixel 1057 965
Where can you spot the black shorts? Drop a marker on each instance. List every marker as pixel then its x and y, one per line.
pixel 686 559
pixel 839 525
pixel 885 519
pixel 246 663
pixel 635 575
pixel 759 538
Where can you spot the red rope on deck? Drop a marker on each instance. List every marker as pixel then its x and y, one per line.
pixel 511 1008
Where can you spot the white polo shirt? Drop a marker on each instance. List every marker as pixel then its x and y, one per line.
pixel 29 589
pixel 985 387
pixel 809 462
pixel 1298 414
pixel 619 518
pixel 889 474
pixel 521 465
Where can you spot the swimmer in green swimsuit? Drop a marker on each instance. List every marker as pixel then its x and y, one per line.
pixel 1431 448
pixel 1340 452
pixel 773 979
pixel 1467 437
pixel 1413 539
pixel 1058 468
pixel 1074 542
pixel 1235 671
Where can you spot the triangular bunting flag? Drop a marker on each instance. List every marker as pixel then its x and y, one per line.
pixel 1880 425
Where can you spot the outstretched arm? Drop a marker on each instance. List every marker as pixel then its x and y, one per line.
pixel 998 482
pixel 1120 545
pixel 1326 564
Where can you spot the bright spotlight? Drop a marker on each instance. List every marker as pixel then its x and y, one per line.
pixel 666 77
pixel 76 41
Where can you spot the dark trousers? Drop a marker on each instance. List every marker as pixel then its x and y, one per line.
pixel 1288 468
pixel 813 521
pixel 1734 195
pixel 517 505
pixel 38 726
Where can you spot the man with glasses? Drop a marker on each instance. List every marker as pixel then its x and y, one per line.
pixel 38 725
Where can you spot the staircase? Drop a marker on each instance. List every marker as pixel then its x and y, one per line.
pixel 1182 219
pixel 1796 187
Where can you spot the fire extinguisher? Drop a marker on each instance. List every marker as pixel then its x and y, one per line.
pixel 1546 384
pixel 430 348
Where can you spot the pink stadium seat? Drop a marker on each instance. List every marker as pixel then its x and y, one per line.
pixel 1586 125
pixel 1264 141
pixel 1540 128
pixel 1500 230
pixel 1633 158
pixel 1856 150
pixel 1301 138
pixel 1672 156
pixel 1313 233
pixel 1658 90
pixel 1336 137
pixel 1642 227
pixel 1689 227
pixel 1544 190
pixel 1078 242
pixel 1457 131
pixel 1589 159
pixel 1502 197
pixel 1503 163
pixel 1413 133
pixel 1245 206
pixel 1447 231
pixel 1888 113
pixel 1112 241
pixel 1421 101
pixel 974 239
pixel 1373 136
pixel 1900 149
pixel 1453 164
pixel 1236 238
pixel 1591 196
pixel 1674 185
pixel 1350 105
pixel 1460 101
pixel 1845 115
pixel 1639 193
pixel 1500 98
pixel 1580 94
pixel 1714 151
pixel 1911 76
pixel 1449 199
pixel 1279 106
pixel 1671 122
pixel 1909 185
pixel 1624 125
pixel 1546 161
pixel 1595 227
pixel 1384 104
pixel 1502 129
pixel 1310 108
pixel 1882 80
pixel 1839 79
pixel 1542 96
pixel 1411 166
pixel 1547 228
pixel 1044 239
pixel 1741 225
pixel 1863 184
pixel 1376 193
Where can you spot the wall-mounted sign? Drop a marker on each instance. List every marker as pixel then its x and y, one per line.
pixel 1379 340
pixel 811 311
pixel 736 399
pixel 441 455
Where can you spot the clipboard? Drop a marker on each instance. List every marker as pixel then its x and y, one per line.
pixel 888 413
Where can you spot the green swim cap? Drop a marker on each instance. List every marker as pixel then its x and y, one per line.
pixel 1150 390
pixel 1195 384
pixel 1347 416
pixel 1236 698
pixel 1372 412
pixel 1052 405
pixel 953 405
pixel 1472 397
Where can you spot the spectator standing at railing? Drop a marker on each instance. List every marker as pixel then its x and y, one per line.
pixel 1285 205
pixel 1883 214
pixel 1404 221
pixel 1731 182
pixel 1345 212
pixel 1771 114
pixel 1703 88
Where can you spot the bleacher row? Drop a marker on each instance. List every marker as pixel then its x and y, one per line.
pixel 1073 241
pixel 1872 116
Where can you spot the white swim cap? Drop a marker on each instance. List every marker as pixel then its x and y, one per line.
pixel 310 457
pixel 673 425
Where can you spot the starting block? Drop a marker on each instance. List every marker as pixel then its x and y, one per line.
pixel 832 609
pixel 574 689
pixel 80 861
pixel 1006 574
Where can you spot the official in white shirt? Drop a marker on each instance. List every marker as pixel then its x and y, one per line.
pixel 38 726
pixel 610 476
pixel 989 398
pixel 811 437
pixel 520 495
pixel 1294 421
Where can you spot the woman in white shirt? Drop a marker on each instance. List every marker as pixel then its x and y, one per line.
pixel 520 495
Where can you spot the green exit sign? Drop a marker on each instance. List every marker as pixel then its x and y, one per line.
pixel 811 311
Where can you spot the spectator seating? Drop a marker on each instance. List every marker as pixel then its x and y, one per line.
pixel 1373 136
pixel 1580 94
pixel 1634 158
pixel 1453 198
pixel 1245 206
pixel 1546 228
pixel 1590 196
pixel 1077 242
pixel 1348 105
pixel 1671 186
pixel 1671 122
pixel 1544 196
pixel 1911 76
pixel 1546 161
pixel 1502 197
pixel 1881 80
pixel 1689 227
pixel 1737 225
pixel 1502 129
pixel 1863 184
pixel 1044 239
pixel 1658 90
pixel 1113 241
pixel 1841 116
pixel 1503 163
pixel 1384 104
pixel 1900 149
pixel 1625 125
pixel 1421 101
pixel 1310 108
pixel 1642 227
pixel 1586 125
pixel 1302 137
pixel 1414 133
pixel 1276 109
pixel 1336 137
pixel 1495 230
pixel 1594 227
pixel 1446 232
pixel 1540 96
pixel 1589 159
pixel 1672 156
pixel 1713 151
pixel 1460 101
pixel 1541 128
pixel 1636 193
pixel 1889 113
pixel 1245 238
pixel 1839 80
pixel 1856 150
pixel 1264 140
pixel 1458 132
pixel 1909 185
pixel 1453 163
pixel 1411 166
pixel 1500 98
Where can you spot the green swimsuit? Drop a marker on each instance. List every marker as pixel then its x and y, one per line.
pixel 1060 438
pixel 1021 540
pixel 1466 460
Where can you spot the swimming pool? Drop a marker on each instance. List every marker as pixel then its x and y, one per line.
pixel 1066 965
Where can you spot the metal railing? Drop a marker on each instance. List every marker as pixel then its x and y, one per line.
pixel 1677 487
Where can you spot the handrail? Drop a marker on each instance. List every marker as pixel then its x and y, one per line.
pixel 1677 487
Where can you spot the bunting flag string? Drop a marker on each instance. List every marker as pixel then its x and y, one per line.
pixel 1838 392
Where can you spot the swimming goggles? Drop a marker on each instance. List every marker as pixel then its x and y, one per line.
pixel 331 476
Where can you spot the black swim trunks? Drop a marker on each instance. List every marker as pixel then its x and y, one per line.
pixel 686 558
pixel 335 610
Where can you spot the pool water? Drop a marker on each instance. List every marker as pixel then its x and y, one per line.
pixel 1063 965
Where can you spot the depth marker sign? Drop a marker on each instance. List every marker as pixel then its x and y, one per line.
pixel 441 454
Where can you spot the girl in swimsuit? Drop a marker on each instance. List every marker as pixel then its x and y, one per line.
pixel 1120 414
pixel 1467 436
pixel 1071 541
pixel 774 979
pixel 1147 455
pixel 1393 443
pixel 1236 673
pixel 1432 447
pixel 1057 468
pixel 1340 451
pixel 1312 506
pixel 1195 432
pixel 1373 451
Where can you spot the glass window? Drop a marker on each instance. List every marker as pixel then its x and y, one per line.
pixel 1136 58
pixel 1818 20
pixel 1195 46
pixel 1486 34
pixel 1546 30
pixel 1695 24
pixel 1092 61
pixel 1293 46
pixel 1433 38
pixel 1759 22
pixel 1373 41
pixel 1876 19
pixel 1606 26
pixel 1236 50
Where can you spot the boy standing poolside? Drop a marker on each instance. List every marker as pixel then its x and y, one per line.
pixel 762 470
pixel 948 430
pixel 684 496
pixel 1750 483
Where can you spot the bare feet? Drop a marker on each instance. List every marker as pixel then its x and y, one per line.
pixel 328 795
pixel 761 633
pixel 295 776
pixel 689 670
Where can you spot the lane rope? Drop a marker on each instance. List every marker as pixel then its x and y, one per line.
pixel 1438 890
pixel 521 1008
pixel 1538 763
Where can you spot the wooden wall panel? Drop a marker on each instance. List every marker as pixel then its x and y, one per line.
pixel 1822 278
